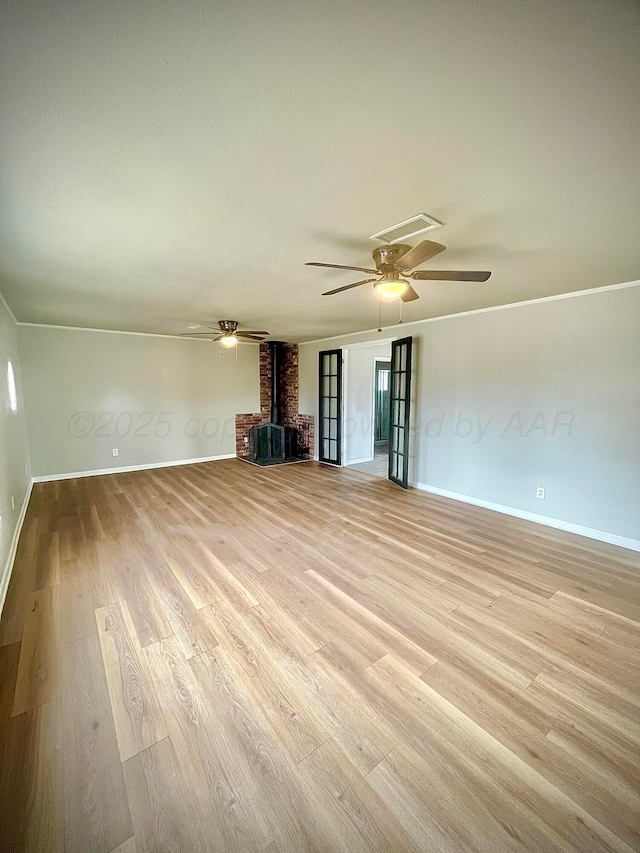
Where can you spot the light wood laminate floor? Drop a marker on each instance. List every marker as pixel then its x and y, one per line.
pixel 220 657
pixel 378 466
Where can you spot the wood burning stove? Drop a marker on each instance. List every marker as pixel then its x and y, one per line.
pixel 273 442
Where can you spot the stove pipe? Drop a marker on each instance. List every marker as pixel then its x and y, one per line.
pixel 276 349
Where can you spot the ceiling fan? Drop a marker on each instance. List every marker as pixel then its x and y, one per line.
pixel 392 268
pixel 227 333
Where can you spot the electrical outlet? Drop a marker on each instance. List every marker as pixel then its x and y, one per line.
pixel 540 493
pixel 246 439
pixel 115 451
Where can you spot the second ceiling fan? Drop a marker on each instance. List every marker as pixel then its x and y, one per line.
pixel 227 333
pixel 392 269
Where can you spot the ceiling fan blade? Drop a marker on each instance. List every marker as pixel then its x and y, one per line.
pixel 203 337
pixel 409 295
pixel 251 332
pixel 348 286
pixel 341 267
pixel 249 337
pixel 213 329
pixel 418 255
pixel 449 275
pixel 196 335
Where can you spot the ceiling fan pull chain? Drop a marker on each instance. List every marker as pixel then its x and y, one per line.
pixel 379 316
pixel 400 321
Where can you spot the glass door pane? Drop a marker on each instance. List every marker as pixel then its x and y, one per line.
pixel 399 414
pixel 330 407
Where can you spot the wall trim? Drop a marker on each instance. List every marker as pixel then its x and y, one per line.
pixel 11 556
pixel 363 344
pixel 537 301
pixel 123 332
pixel 46 478
pixel 358 461
pixel 344 438
pixel 570 527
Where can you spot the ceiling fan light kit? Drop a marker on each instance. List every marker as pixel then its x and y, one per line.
pixel 228 341
pixel 391 286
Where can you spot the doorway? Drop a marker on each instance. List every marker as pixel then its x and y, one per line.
pixel 381 417
pixel 364 403
pixel 367 402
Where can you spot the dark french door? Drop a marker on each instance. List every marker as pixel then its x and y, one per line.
pixel 400 402
pixel 330 407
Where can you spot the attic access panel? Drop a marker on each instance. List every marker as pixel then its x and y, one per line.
pixel 406 229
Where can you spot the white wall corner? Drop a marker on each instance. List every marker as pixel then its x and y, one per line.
pixel 4 302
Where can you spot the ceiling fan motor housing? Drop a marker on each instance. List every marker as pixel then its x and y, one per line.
pixel 386 256
pixel 228 325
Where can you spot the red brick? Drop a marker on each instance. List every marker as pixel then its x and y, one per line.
pixel 290 400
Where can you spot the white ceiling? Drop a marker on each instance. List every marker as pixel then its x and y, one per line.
pixel 174 162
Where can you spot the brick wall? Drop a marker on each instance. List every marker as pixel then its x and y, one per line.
pixel 265 382
pixel 289 385
pixel 305 425
pixel 243 425
pixel 290 401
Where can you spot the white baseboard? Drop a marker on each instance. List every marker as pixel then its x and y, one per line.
pixel 358 461
pixel 8 566
pixel 125 468
pixel 600 535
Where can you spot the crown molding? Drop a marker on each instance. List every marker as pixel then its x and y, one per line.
pixel 122 332
pixel 506 306
pixel 537 301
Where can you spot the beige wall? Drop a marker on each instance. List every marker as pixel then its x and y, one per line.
pixel 15 474
pixel 491 394
pixel 155 399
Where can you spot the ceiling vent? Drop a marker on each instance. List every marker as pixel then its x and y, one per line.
pixel 409 228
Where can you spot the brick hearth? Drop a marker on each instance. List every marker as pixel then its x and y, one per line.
pixel 290 401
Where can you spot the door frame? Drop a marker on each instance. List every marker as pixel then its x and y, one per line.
pixel 340 398
pixel 406 431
